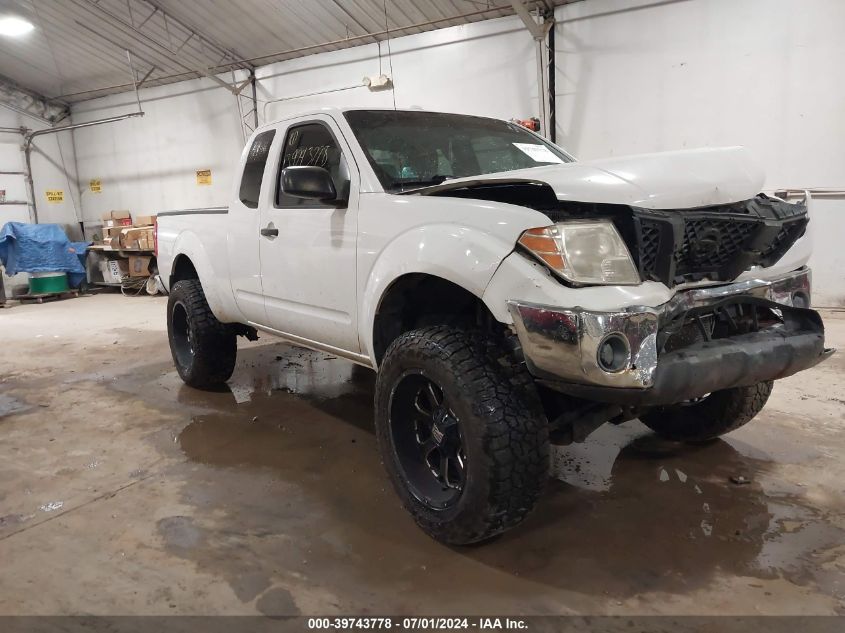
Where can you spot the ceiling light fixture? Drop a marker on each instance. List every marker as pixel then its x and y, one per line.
pixel 15 27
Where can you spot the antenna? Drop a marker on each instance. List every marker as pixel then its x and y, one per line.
pixel 389 54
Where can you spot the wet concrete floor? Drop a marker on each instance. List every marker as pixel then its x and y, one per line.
pixel 123 491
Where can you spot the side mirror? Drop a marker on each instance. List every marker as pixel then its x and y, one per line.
pixel 304 181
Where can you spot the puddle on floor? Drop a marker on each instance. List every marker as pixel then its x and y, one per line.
pixel 295 473
pixel 290 479
pixel 10 405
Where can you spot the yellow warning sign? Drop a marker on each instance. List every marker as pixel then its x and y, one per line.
pixel 55 196
pixel 95 185
pixel 203 176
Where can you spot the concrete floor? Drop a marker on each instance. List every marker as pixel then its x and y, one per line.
pixel 124 492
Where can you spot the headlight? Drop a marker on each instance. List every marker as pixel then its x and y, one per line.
pixel 583 252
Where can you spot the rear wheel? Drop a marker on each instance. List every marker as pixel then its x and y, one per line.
pixel 203 349
pixel 466 450
pixel 709 417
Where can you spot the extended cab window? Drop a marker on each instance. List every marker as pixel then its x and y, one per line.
pixel 254 168
pixel 314 145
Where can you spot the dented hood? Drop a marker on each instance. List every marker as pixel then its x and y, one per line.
pixel 666 180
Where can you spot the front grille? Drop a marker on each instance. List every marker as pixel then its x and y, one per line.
pixel 717 243
pixel 730 235
pixel 650 245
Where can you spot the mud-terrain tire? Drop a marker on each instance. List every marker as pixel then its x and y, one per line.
pixel 717 414
pixel 489 426
pixel 204 350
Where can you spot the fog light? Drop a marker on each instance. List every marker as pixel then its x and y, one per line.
pixel 800 299
pixel 613 353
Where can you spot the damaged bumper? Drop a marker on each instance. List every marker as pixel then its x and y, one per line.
pixel 702 340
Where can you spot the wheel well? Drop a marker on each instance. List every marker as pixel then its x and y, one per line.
pixel 183 268
pixel 417 300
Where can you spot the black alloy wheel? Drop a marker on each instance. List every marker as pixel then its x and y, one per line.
pixel 427 440
pixel 180 340
pixel 464 439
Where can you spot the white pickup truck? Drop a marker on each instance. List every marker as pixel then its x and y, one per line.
pixel 508 295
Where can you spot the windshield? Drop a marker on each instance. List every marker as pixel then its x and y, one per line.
pixel 417 149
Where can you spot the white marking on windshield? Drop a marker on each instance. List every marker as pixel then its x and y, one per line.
pixel 539 153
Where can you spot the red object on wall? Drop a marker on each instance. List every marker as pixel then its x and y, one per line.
pixel 532 124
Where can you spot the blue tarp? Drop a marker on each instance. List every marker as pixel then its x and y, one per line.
pixel 39 248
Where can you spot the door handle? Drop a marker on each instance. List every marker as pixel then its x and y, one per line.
pixel 270 231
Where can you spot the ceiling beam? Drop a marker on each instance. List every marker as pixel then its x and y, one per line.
pixel 164 50
pixel 228 52
pixel 538 31
pixel 234 88
pixel 15 97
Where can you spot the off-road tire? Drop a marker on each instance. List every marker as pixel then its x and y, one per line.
pixel 719 413
pixel 208 359
pixel 504 431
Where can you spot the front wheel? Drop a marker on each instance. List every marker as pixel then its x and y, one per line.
pixel 466 449
pixel 204 350
pixel 709 417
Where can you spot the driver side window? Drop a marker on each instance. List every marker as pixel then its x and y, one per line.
pixel 314 145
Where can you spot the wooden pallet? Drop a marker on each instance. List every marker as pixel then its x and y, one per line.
pixel 47 296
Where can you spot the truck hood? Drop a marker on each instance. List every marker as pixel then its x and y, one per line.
pixel 665 180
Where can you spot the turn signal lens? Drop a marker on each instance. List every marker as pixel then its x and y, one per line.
pixel 543 244
pixel 583 252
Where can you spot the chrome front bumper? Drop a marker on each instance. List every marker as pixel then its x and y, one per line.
pixel 563 344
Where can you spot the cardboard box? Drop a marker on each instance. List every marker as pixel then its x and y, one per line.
pixel 136 238
pixel 145 220
pixel 146 243
pixel 117 218
pixel 139 265
pixel 114 270
pixel 126 237
pixel 117 215
pixel 116 224
pixel 146 240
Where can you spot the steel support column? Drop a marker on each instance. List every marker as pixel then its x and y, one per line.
pixel 539 31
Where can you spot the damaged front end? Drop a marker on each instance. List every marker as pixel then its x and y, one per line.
pixel 716 243
pixel 673 246
pixel 701 341
pixel 691 262
pixel 690 222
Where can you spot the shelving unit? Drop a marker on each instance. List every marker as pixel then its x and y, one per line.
pixel 123 252
pixel 98 252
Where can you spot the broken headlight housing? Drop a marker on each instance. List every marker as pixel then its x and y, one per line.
pixel 584 252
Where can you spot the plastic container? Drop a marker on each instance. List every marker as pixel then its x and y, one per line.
pixel 47 283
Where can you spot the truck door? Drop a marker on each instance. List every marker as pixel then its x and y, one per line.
pixel 308 247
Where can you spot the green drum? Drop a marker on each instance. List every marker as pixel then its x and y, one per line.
pixel 47 283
